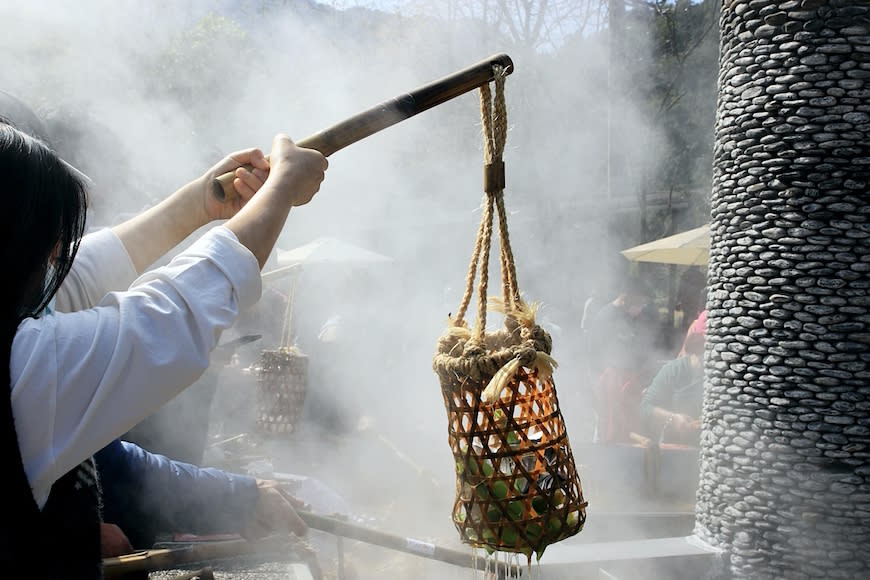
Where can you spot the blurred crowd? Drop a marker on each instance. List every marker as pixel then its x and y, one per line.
pixel 638 379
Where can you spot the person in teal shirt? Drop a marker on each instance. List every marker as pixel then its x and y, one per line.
pixel 671 405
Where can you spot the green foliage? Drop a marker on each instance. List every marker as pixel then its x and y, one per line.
pixel 677 66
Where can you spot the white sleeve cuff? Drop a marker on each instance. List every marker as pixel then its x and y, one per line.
pixel 221 246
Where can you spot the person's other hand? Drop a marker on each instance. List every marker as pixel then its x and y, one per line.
pixel 113 541
pixel 246 182
pixel 681 423
pixel 275 512
pixel 295 171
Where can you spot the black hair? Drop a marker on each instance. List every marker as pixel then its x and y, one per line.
pixel 42 222
pixel 637 289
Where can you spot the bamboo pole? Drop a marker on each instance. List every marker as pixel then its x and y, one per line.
pixel 338 527
pixel 168 558
pixel 389 113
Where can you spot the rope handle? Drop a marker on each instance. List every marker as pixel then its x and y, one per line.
pixel 493 113
pixel 287 326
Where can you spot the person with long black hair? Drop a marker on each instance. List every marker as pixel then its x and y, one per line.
pixel 80 378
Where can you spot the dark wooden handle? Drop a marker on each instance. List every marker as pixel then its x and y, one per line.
pixel 338 527
pixel 389 113
pixel 167 558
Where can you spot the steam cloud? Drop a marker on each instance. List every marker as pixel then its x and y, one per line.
pixel 144 96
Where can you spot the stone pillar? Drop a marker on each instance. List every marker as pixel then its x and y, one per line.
pixel 785 477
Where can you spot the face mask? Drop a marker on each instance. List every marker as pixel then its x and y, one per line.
pixel 49 308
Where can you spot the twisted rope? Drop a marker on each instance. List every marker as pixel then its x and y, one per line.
pixel 472 274
pixel 480 324
pixel 493 114
pixel 286 329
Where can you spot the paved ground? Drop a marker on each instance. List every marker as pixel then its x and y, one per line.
pixel 246 571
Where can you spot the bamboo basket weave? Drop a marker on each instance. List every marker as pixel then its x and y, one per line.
pixel 517 488
pixel 282 381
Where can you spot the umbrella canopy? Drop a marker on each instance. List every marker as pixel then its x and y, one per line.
pixel 321 251
pixel 278 273
pixel 689 248
pixel 329 250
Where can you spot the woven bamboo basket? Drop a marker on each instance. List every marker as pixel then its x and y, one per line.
pixel 282 382
pixel 517 488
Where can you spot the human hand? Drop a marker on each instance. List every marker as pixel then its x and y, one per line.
pixel 684 425
pixel 275 512
pixel 295 171
pixel 677 422
pixel 113 541
pixel 246 182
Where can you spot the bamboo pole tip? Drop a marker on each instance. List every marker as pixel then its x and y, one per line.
pixel 504 61
pixel 222 187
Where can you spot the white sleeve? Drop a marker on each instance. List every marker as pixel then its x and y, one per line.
pixel 101 265
pixel 80 379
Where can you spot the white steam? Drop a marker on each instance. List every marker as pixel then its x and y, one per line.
pixel 150 93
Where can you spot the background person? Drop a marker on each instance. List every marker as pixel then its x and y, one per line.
pixel 621 350
pixel 671 405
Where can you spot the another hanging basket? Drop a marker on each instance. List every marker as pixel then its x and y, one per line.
pixel 517 489
pixel 282 380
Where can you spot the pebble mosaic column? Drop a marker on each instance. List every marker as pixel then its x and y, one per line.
pixel 785 452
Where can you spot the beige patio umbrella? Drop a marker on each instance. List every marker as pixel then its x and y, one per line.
pixel 689 248
pixel 329 250
pixel 323 250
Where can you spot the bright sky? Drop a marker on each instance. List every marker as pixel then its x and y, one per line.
pixel 385 5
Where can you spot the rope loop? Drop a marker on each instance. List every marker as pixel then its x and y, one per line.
pixel 493 115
